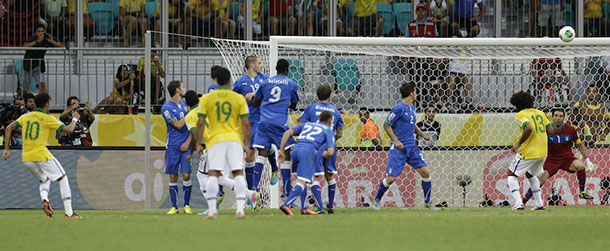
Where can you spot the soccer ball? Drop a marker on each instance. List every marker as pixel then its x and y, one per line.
pixel 567 34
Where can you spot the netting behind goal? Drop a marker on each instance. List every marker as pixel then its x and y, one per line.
pixel 468 84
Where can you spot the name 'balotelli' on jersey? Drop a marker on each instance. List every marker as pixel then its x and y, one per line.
pixel 174 112
pixel 314 135
pixel 276 94
pixel 312 114
pixel 402 119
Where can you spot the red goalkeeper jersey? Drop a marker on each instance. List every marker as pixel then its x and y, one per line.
pixel 560 143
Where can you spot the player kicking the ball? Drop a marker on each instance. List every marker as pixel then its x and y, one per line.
pixel 229 137
pixel 400 126
pixel 311 137
pixel 560 156
pixel 36 127
pixel 531 148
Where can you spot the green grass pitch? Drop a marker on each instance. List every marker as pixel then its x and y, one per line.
pixel 557 228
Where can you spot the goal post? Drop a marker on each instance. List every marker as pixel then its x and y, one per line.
pixel 468 83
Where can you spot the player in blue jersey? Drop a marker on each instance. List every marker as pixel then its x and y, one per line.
pixel 177 146
pixel 324 166
pixel 313 138
pixel 275 96
pixel 214 76
pixel 247 86
pixel 400 126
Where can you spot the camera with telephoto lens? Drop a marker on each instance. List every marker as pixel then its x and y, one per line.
pixel 72 139
pixel 8 114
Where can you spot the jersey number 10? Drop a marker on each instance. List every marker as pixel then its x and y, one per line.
pixel 29 128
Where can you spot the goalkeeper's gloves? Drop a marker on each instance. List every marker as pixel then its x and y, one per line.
pixel 589 166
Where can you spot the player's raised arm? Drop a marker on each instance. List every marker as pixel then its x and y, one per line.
pixel 70 128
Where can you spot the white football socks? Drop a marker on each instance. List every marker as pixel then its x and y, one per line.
pixel 44 190
pixel 240 193
pixel 513 186
pixel 535 186
pixel 66 195
pixel 211 193
pixel 203 182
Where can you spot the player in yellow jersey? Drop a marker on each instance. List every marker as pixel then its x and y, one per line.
pixel 192 100
pixel 229 136
pixel 37 125
pixel 531 148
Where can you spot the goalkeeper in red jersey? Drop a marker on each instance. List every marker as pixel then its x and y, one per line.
pixel 561 157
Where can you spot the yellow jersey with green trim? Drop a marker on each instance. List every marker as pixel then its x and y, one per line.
pixel 35 129
pixel 223 110
pixel 536 145
pixel 191 119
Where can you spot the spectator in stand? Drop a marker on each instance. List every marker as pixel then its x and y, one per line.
pixel 439 14
pixel 131 15
pixel 157 72
pixel 596 25
pixel 54 13
pixel 421 26
pixel 19 20
pixel 304 12
pixel 458 74
pixel 551 83
pixel 429 127
pixel 603 84
pixel 548 7
pixel 122 93
pixel 465 17
pixel 176 20
pixel 370 136
pixel 365 19
pixel 88 22
pixel 30 102
pixel 257 17
pixel 341 9
pixel 281 15
pixel 33 61
pixel 80 137
pixel 533 5
pixel 591 117
pixel 227 26
pixel 202 16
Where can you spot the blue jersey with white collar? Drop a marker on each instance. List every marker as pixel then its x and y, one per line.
pixel 276 94
pixel 402 119
pixel 245 85
pixel 312 114
pixel 212 87
pixel 174 112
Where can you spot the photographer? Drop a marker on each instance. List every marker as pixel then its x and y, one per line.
pixel 33 61
pixel 10 113
pixel 81 135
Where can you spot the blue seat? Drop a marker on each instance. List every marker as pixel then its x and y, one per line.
pixel 18 68
pixel 385 10
pixel 569 17
pixel 347 75
pixel 150 8
pixel 102 14
pixel 403 14
pixel 114 7
pixel 605 9
pixel 297 72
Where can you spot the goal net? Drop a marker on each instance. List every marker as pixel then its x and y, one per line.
pixel 464 87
